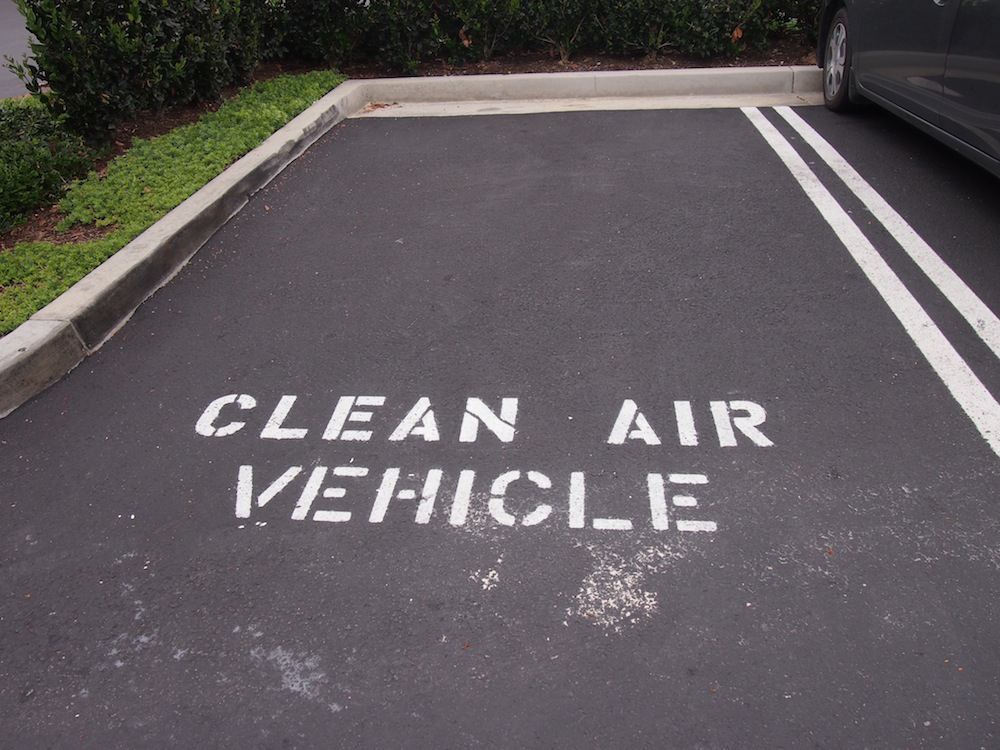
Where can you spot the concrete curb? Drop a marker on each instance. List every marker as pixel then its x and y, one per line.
pixel 626 83
pixel 61 335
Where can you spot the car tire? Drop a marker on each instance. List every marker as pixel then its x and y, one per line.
pixel 837 71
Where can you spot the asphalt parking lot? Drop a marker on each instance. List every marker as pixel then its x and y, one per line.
pixel 578 429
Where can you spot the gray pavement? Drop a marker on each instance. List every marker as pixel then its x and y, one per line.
pixel 550 430
pixel 60 336
pixel 14 44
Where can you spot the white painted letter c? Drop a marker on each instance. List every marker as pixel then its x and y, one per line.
pixel 499 489
pixel 206 422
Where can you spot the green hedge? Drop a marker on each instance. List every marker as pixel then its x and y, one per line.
pixel 104 60
pixel 101 61
pixel 38 158
pixel 404 33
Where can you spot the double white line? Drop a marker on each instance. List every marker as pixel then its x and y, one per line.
pixel 974 398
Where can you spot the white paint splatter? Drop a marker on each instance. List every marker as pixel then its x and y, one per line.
pixel 299 673
pixel 478 522
pixel 613 596
pixel 491 579
pixel 127 556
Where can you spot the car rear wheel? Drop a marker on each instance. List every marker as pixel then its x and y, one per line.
pixel 837 64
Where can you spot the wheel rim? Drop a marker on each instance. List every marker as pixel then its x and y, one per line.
pixel 836 60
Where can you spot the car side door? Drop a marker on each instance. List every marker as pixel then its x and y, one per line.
pixel 902 52
pixel 970 107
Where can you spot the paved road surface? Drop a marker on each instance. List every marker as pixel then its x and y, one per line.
pixel 543 431
pixel 13 43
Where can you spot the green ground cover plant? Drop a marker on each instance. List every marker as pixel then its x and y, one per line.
pixel 142 185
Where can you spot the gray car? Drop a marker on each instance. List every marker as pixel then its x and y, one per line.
pixel 935 63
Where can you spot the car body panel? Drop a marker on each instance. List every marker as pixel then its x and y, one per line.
pixel 936 63
pixel 971 95
pixel 903 51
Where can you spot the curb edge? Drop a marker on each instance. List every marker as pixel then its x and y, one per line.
pixel 63 334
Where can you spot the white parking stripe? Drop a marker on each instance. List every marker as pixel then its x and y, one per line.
pixel 974 398
pixel 983 321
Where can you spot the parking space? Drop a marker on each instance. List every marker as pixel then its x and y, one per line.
pixel 561 429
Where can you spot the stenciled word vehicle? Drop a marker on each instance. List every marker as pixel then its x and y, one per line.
pixel 935 63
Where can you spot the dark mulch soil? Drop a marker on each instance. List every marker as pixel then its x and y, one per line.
pixel 783 51
pixel 40 226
